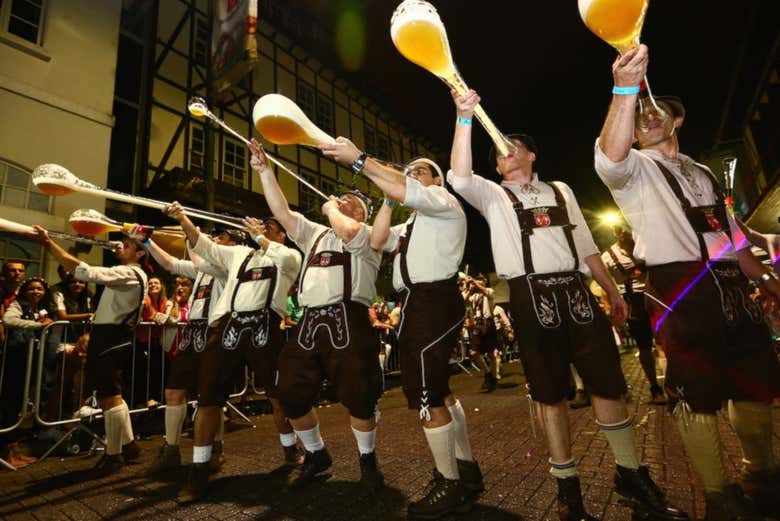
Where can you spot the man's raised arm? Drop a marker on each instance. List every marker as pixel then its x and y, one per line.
pixel 460 157
pixel 277 202
pixel 617 135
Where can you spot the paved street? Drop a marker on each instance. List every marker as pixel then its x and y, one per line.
pixel 513 461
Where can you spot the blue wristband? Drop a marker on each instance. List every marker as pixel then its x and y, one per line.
pixel 389 202
pixel 464 121
pixel 147 243
pixel 259 237
pixel 625 91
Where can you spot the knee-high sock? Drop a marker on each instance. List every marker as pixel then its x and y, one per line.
pixel 127 424
pixel 311 439
pixel 564 469
pixel 114 421
pixel 220 428
pixel 366 441
pixel 441 441
pixel 753 423
pixel 702 443
pixel 622 441
pixel 462 445
pixel 647 359
pixel 174 419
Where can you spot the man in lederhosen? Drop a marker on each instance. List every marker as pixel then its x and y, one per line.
pixel 542 246
pixel 482 330
pixel 428 249
pixel 246 327
pixel 334 337
pixel 630 275
pixel 110 341
pixel 716 343
pixel 186 368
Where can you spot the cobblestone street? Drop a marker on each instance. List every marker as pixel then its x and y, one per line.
pixel 249 487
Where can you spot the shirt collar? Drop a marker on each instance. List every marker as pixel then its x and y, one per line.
pixel 658 156
pixel 534 181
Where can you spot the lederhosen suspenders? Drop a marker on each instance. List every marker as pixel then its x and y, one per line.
pixel 702 219
pixel 133 318
pixel 195 331
pixel 256 322
pixel 403 250
pixel 544 288
pixel 542 217
pixel 333 317
pixel 731 283
pixel 627 280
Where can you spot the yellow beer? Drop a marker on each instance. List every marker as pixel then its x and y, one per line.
pixel 617 22
pixel 281 130
pixel 90 228
pixel 54 189
pixel 423 43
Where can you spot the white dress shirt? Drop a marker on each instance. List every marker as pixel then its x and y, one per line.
pixel 203 275
pixel 122 297
pixel 662 233
pixel 325 285
pixel 251 295
pixel 550 250
pixel 438 237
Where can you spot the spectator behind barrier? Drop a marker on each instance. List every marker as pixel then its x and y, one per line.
pixel 13 274
pixel 149 363
pixel 25 317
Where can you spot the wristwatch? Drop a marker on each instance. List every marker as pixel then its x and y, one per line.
pixel 766 277
pixel 358 164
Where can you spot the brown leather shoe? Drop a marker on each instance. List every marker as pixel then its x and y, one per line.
pixel 108 464
pixel 217 456
pixel 197 482
pixel 131 451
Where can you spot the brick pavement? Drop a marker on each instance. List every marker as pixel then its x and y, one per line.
pixel 514 464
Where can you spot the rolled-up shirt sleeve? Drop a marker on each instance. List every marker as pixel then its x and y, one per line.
pixel 476 190
pixel 13 318
pixel 395 235
pixel 184 268
pixel 214 253
pixel 287 258
pixel 112 276
pixel 431 200
pixel 361 242
pixel 617 176
pixel 305 232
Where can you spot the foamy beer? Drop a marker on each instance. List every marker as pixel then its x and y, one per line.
pixel 419 35
pixel 92 223
pixel 617 22
pixel 279 120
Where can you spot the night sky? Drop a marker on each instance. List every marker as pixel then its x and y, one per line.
pixel 539 70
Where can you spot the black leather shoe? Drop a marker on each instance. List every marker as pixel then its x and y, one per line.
pixel 197 482
pixel 293 456
pixel 370 476
pixel 637 484
pixel 108 464
pixel 445 497
pixel 168 458
pixel 131 451
pixel 570 507
pixel 313 463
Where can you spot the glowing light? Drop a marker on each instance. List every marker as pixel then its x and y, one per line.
pixel 351 38
pixel 611 218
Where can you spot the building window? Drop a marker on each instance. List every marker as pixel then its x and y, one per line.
pixel 369 134
pixel 23 18
pixel 306 99
pixel 325 113
pixel 383 150
pixel 202 42
pixel 14 248
pixel 18 190
pixel 234 163
pixel 308 201
pixel 197 148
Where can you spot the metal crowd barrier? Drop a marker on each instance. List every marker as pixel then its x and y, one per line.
pixel 53 360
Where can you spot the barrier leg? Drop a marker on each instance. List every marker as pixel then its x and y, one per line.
pixel 240 414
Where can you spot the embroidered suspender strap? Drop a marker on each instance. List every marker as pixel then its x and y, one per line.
pixel 698 217
pixel 525 232
pixel 568 227
pixel 206 291
pixel 403 248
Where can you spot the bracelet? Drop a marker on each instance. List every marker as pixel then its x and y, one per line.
pixel 464 121
pixel 259 238
pixel 766 277
pixel 389 202
pixel 147 243
pixel 625 91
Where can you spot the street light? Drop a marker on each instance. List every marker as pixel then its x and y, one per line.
pixel 610 218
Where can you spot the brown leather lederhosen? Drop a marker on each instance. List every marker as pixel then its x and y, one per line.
pixel 194 333
pixel 543 286
pixel 732 284
pixel 716 343
pixel 432 315
pixel 257 321
pixel 560 320
pixel 334 316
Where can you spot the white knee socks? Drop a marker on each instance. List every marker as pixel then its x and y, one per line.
pixel 441 440
pixel 174 420
pixel 462 445
pixel 366 441
pixel 311 439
